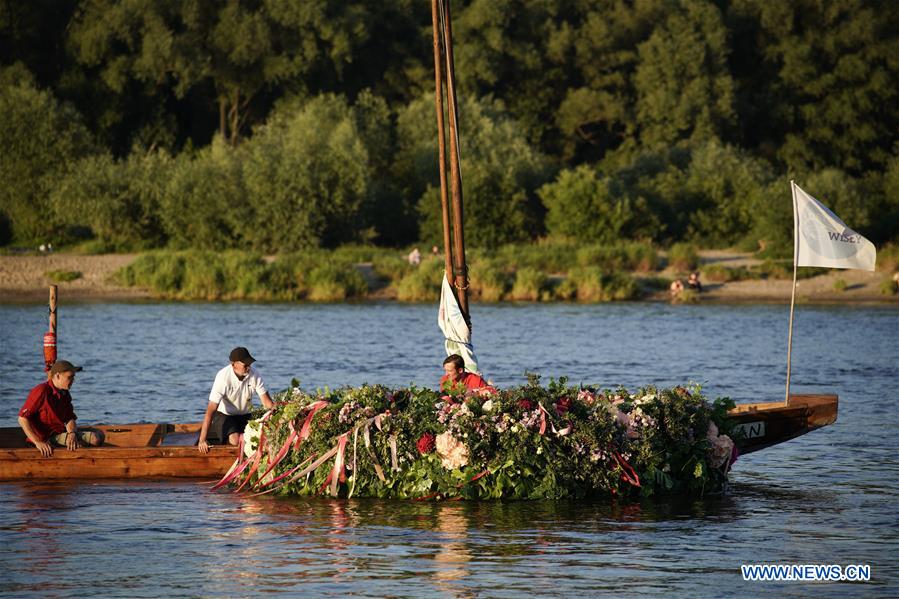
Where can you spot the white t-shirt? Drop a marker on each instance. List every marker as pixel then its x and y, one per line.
pixel 234 396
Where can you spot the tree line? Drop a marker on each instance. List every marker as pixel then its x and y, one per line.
pixel 280 126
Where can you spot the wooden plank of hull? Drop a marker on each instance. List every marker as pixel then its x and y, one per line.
pixel 113 462
pixel 130 451
pixel 767 424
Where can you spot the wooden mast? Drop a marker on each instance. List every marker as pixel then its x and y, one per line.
pixel 455 256
pixel 441 143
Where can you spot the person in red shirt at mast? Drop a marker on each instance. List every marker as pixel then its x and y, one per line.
pixel 456 376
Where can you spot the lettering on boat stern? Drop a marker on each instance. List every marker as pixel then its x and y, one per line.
pixel 751 430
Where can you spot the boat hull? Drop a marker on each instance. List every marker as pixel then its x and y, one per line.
pixel 131 451
pixel 169 450
pixel 766 424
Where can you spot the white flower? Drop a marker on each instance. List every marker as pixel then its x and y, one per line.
pixel 488 405
pixel 452 452
pixel 539 450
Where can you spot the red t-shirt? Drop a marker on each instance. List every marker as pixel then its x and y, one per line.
pixel 471 381
pixel 48 409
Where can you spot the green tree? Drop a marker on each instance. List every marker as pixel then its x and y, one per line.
pixel 119 201
pixel 204 203
pixel 307 173
pixel 501 51
pixel 240 49
pixel 41 138
pixel 584 206
pixel 821 83
pixel 595 43
pixel 500 172
pixel 683 86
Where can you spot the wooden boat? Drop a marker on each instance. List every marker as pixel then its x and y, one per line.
pixel 169 450
pixel 130 451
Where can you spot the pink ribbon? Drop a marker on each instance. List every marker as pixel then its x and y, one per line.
pixel 280 456
pixel 337 474
pixel 307 424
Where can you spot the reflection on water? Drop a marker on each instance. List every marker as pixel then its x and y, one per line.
pixel 178 539
pixel 827 498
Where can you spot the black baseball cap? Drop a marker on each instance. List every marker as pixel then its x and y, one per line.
pixel 241 354
pixel 64 366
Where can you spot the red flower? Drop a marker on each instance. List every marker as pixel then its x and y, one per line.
pixel 426 443
pixel 525 404
pixel 563 405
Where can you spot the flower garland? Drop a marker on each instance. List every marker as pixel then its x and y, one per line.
pixel 527 442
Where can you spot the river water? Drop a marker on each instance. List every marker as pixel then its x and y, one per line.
pixel 830 497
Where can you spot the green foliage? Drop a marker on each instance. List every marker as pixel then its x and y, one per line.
pixel 306 175
pixel 687 296
pixel 490 282
pixel 828 71
pixel 119 202
pixel 334 282
pixel 527 442
pixel 581 206
pixel 41 140
pixel 888 258
pixel 546 255
pixel 683 257
pixel 889 286
pixel 633 256
pixel 194 275
pixel 421 284
pixel 590 284
pixel 277 128
pixel 840 285
pixel 683 87
pixel 501 171
pixel 204 204
pixel 63 276
pixel 727 274
pixel 530 285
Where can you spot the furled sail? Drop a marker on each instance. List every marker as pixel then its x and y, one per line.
pixel 455 329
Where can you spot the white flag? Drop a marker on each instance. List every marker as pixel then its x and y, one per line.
pixel 822 239
pixel 455 329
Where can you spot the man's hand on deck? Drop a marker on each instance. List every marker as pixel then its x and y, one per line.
pixel 45 448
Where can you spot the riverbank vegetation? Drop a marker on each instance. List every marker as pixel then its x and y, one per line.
pixel 514 272
pixel 216 127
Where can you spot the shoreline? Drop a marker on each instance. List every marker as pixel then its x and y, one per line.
pixel 23 281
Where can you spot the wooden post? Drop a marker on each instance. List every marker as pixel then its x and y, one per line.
pixel 52 328
pixel 441 142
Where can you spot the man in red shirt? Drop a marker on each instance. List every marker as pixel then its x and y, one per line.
pixel 48 417
pixel 456 376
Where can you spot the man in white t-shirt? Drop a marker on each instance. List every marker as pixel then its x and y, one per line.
pixel 231 400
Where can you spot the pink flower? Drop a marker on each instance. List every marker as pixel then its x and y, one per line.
pixel 721 447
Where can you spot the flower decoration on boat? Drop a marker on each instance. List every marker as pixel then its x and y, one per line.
pixel 531 441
